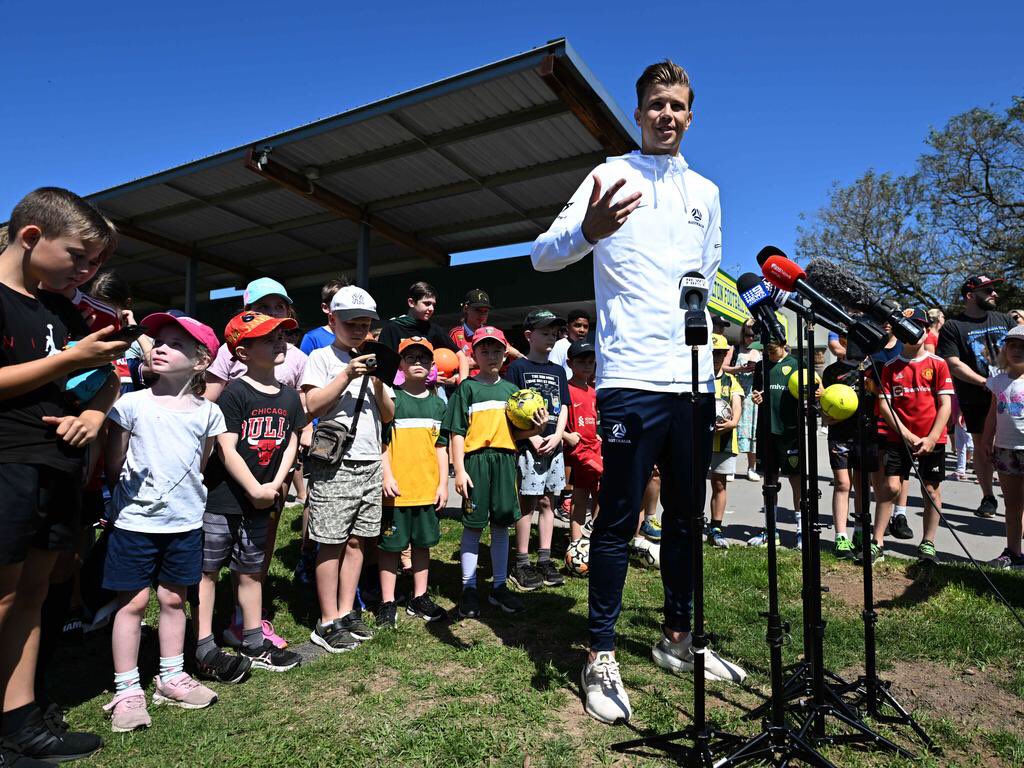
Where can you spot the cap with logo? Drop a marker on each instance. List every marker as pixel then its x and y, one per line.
pixel 719 343
pixel 579 349
pixel 261 287
pixel 975 282
pixel 485 332
pixel 477 298
pixel 916 315
pixel 199 331
pixel 351 302
pixel 415 341
pixel 541 318
pixel 253 325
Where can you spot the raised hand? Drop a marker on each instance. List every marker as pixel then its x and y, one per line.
pixel 603 217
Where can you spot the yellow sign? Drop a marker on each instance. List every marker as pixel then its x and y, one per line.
pixel 725 300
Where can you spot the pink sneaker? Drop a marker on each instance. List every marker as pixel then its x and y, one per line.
pixel 127 711
pixel 272 636
pixel 183 691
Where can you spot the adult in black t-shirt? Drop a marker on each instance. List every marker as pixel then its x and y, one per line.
pixel 969 343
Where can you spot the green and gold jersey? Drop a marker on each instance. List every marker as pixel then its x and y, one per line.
pixel 726 386
pixel 477 412
pixel 411 441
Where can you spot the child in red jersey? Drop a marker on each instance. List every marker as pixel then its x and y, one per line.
pixel 917 392
pixel 581 438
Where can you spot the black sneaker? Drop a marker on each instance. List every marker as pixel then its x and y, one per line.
pixel 268 656
pixel 45 736
pixel 899 527
pixel 387 615
pixel 526 578
pixel 332 638
pixel 353 624
pixel 469 603
pixel 223 667
pixel 504 599
pixel 988 507
pixel 425 608
pixel 9 756
pixel 549 572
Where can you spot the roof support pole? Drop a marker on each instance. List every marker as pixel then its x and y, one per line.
pixel 363 257
pixel 191 275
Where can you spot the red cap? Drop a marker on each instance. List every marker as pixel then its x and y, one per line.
pixel 781 272
pixel 489 332
pixel 199 331
pixel 252 325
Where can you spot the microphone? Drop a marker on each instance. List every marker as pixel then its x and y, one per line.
pixel 756 295
pixel 791 301
pixel 693 297
pixel 788 276
pixel 767 252
pixel 841 285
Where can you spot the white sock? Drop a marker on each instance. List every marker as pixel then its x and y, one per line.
pixel 899 511
pixel 470 550
pixel 499 555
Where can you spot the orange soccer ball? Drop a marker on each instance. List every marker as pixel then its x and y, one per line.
pixel 446 361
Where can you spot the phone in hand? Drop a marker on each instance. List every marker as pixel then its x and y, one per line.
pixel 127 333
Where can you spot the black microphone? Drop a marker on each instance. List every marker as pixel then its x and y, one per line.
pixel 693 297
pixel 767 252
pixel 793 302
pixel 835 281
pixel 756 295
pixel 789 276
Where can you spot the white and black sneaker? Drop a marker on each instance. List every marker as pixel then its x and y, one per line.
pixel 353 623
pixel 678 657
pixel 604 696
pixel 424 608
pixel 332 638
pixel 268 656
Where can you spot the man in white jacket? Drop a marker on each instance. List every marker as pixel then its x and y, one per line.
pixel 649 219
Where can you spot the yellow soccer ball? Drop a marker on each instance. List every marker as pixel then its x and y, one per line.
pixel 796 377
pixel 522 405
pixel 839 402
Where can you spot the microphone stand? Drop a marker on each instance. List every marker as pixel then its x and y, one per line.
pixel 868 692
pixel 778 744
pixel 708 740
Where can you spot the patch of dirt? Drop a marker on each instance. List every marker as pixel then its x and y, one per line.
pixel 974 697
pixel 847 587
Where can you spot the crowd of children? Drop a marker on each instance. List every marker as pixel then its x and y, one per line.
pixel 198 444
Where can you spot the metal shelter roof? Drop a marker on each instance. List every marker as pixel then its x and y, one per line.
pixel 481 159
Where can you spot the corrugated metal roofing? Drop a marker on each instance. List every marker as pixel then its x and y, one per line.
pixel 476 160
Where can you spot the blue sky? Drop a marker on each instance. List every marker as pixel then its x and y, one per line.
pixel 789 96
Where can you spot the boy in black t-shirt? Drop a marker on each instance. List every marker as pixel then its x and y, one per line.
pixel 541 463
pixel 54 238
pixel 254 459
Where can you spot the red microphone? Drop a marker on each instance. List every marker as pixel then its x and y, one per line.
pixel 782 273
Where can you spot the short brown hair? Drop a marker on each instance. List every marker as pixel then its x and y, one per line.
pixel 331 287
pixel 61 213
pixel 665 72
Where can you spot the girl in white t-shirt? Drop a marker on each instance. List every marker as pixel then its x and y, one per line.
pixel 158 442
pixel 1003 439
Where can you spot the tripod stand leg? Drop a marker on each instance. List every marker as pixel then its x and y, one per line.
pixel 905 718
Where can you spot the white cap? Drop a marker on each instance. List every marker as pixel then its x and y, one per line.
pixel 351 302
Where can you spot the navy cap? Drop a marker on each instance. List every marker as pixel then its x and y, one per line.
pixel 580 348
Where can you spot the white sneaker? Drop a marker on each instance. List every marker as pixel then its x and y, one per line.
pixel 604 697
pixel 678 657
pixel 753 477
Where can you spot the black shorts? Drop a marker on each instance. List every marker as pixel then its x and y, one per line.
pixel 136 560
pixel 787 454
pixel 39 510
pixel 931 466
pixel 840 453
pixel 975 415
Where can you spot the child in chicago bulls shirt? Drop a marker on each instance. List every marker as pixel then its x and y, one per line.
pixel 917 391
pixel 254 456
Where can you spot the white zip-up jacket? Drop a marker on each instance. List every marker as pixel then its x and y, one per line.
pixel 677 228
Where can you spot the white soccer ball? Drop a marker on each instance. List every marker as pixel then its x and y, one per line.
pixel 645 553
pixel 577 557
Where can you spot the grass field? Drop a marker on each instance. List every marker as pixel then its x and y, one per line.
pixel 502 691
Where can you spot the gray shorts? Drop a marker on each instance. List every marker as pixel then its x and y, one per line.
pixel 1009 461
pixel 234 540
pixel 723 463
pixel 539 475
pixel 345 501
